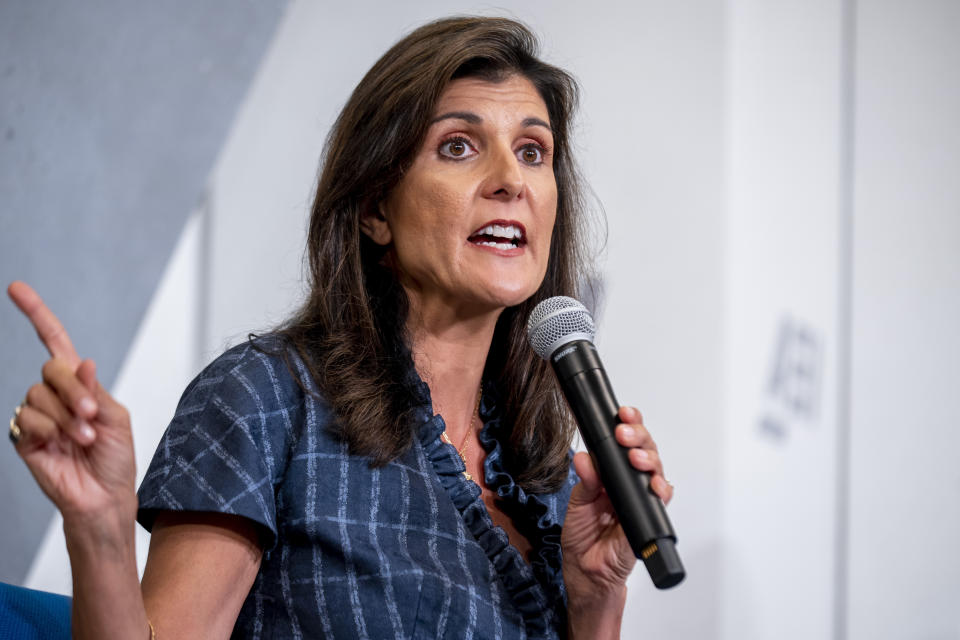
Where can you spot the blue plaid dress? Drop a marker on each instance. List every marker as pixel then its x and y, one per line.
pixel 407 550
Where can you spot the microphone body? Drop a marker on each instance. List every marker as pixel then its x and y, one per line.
pixel 590 395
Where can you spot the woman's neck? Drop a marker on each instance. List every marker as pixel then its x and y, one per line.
pixel 450 353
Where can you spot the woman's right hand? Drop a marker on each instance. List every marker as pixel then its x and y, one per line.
pixel 75 438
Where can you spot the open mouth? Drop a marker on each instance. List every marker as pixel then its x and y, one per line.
pixel 500 235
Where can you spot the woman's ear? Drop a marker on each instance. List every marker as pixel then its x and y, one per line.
pixel 374 224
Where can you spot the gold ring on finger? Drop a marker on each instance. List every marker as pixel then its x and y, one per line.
pixel 15 431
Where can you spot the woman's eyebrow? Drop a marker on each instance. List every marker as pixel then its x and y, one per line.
pixel 536 122
pixel 472 118
pixel 468 116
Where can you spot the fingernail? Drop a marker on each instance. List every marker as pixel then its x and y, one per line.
pixel 628 432
pixel 642 454
pixel 87 432
pixel 88 406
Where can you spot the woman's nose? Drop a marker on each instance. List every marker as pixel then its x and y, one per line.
pixel 504 180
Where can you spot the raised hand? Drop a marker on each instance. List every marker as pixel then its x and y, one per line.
pixel 597 558
pixel 74 437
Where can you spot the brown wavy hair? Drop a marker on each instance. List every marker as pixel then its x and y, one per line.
pixel 351 330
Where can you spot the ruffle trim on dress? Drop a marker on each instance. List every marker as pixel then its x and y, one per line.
pixel 519 579
pixel 529 511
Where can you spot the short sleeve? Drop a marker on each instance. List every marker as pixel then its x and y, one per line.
pixel 225 449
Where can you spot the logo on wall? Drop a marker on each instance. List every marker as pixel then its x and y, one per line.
pixel 792 390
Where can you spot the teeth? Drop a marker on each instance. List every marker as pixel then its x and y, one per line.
pixel 509 232
pixel 499 245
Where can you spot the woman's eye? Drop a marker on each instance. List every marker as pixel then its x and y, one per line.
pixel 531 154
pixel 456 148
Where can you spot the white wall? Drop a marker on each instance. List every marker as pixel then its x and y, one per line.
pixel 904 557
pixel 781 303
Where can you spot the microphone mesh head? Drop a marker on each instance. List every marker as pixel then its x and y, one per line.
pixel 557 321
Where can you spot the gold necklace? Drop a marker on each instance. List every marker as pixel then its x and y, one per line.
pixel 463 445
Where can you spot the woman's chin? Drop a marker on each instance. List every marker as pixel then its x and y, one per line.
pixel 501 298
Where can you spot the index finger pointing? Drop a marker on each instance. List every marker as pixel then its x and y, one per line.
pixel 47 326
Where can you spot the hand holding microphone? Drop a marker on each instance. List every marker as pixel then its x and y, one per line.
pixel 561 330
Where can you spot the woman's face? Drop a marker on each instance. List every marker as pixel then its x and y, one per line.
pixel 470 222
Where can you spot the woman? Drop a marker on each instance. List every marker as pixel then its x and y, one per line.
pixel 308 485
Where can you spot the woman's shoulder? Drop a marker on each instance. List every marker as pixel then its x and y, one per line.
pixel 232 436
pixel 256 394
pixel 263 372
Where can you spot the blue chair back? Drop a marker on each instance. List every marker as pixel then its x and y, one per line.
pixel 26 614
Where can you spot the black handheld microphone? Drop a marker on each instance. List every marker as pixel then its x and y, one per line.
pixel 561 330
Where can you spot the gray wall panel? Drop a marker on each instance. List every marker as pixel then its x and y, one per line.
pixel 111 116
